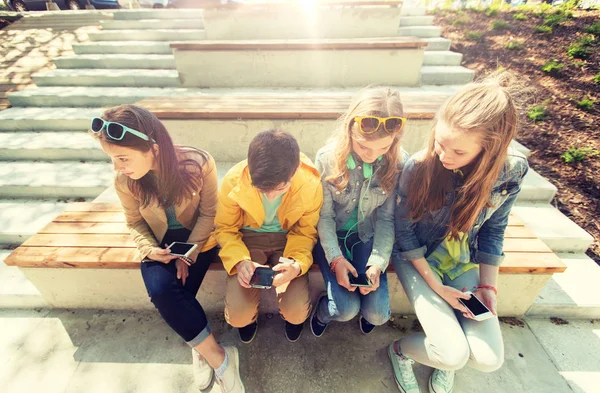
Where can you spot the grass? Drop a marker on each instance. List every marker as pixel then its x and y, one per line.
pixel 554 19
pixel 581 48
pixel 596 78
pixel 474 36
pixel 514 45
pixel 543 29
pixel 492 11
pixel 520 16
pixel 586 104
pixel 594 29
pixel 537 113
pixel 552 67
pixel 578 154
pixel 461 21
pixel 500 25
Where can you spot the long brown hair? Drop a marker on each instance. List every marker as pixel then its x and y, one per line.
pixel 372 101
pixel 178 177
pixel 487 108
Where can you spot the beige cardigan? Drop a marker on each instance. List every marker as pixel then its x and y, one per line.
pixel 148 225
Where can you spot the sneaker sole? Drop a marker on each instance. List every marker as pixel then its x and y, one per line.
pixel 431 390
pixel 253 336
pixel 298 338
pixel 391 354
pixel 312 314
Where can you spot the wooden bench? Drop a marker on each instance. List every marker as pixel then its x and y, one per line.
pixel 300 63
pixel 93 240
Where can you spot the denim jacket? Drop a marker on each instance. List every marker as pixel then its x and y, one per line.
pixel 419 239
pixel 338 205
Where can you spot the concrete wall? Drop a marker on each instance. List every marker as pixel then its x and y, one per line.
pixel 124 289
pixel 299 68
pixel 229 140
pixel 277 22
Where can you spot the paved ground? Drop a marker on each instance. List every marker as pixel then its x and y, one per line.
pixel 62 351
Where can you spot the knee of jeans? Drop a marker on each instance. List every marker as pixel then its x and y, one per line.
pixel 453 354
pixel 487 364
pixel 347 309
pixel 376 318
pixel 165 297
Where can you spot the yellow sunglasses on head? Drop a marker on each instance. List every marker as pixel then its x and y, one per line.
pixel 370 124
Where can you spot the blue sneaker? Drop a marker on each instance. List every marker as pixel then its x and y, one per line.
pixel 365 326
pixel 441 381
pixel 317 327
pixel 403 372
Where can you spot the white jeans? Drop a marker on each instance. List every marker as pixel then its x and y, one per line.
pixel 449 340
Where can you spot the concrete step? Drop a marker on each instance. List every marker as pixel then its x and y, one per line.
pixel 442 58
pixel 151 24
pixel 425 20
pixel 100 77
pixel 420 31
pixel 526 152
pixel 16 291
pixel 124 47
pixel 413 11
pixel 148 35
pixel 137 14
pixel 437 43
pixel 49 146
pixel 536 188
pixel 554 228
pixel 47 119
pixel 446 75
pixel 59 179
pixel 24 218
pixel 58 96
pixel 575 293
pixel 116 61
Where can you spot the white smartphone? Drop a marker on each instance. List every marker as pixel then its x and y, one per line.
pixel 477 308
pixel 182 249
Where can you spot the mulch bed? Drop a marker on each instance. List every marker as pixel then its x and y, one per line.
pixel 566 125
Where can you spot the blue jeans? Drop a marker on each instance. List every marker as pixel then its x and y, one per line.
pixel 342 305
pixel 176 302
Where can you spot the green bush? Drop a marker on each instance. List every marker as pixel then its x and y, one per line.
pixel 581 48
pixel 552 67
pixel 586 104
pixel 594 29
pixel 500 25
pixel 520 16
pixel 463 20
pixel 554 19
pixel 578 154
pixel 542 9
pixel 543 29
pixel 492 11
pixel 514 45
pixel 596 78
pixel 474 36
pixel 537 113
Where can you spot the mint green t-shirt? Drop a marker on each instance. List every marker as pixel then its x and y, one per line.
pixel 271 223
pixel 351 223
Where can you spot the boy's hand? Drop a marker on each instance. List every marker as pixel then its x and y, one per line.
pixel 341 274
pixel 374 273
pixel 245 270
pixel 287 272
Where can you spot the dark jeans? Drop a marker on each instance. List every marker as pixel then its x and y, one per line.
pixel 176 302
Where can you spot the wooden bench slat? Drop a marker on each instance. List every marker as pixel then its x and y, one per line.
pixel 93 207
pixel 116 216
pixel 525 245
pixel 522 263
pixel 86 227
pixel 79 240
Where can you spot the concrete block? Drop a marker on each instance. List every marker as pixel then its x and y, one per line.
pixel 118 61
pixel 413 11
pixel 446 75
pixel 47 119
pixel 571 294
pixel 151 24
pixel 425 20
pixel 420 31
pixel 292 68
pixel 54 179
pixel 149 35
pixel 124 47
pixel 536 188
pixel 15 290
pixel 437 43
pixel 291 22
pixel 172 13
pixel 22 219
pixel 442 58
pixel 49 146
pixel 100 77
pixel 554 228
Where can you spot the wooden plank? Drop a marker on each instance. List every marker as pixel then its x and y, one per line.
pixel 519 232
pixel 328 44
pixel 60 257
pixel 116 216
pixel 80 240
pixel 532 263
pixel 86 227
pixel 525 245
pixel 93 207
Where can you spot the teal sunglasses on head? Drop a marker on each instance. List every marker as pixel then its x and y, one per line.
pixel 115 131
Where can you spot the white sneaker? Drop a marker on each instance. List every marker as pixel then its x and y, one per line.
pixel 231 381
pixel 203 372
pixel 441 381
pixel 403 372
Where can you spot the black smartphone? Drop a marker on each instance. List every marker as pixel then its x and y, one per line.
pixel 262 278
pixel 361 281
pixel 182 249
pixel 477 308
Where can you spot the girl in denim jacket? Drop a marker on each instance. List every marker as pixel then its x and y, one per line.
pixel 359 170
pixel 453 203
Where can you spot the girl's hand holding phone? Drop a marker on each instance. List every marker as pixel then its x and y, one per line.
pixel 374 273
pixel 342 268
pixel 161 255
pixel 488 297
pixel 451 296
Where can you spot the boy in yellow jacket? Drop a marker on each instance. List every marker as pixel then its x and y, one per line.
pixel 268 208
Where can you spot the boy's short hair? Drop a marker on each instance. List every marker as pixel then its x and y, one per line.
pixel 273 158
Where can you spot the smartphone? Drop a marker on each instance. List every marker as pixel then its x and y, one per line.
pixel 262 278
pixel 182 249
pixel 361 281
pixel 477 308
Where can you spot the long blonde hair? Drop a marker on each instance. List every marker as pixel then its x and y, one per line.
pixel 487 108
pixel 371 101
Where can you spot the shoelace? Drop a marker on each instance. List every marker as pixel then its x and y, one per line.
pixel 444 379
pixel 406 370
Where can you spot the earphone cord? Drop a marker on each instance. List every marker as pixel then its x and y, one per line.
pixel 359 221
